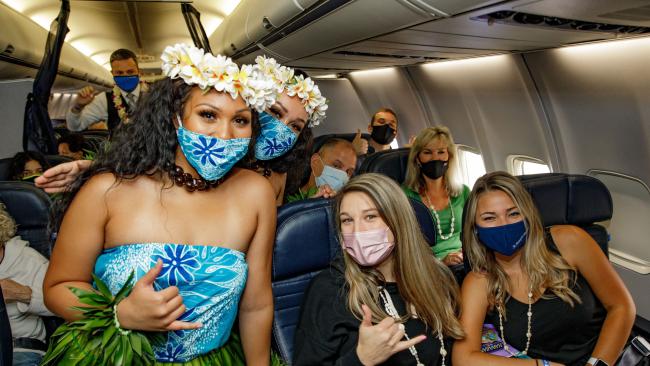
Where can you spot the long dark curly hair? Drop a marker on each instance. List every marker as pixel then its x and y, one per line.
pixel 147 144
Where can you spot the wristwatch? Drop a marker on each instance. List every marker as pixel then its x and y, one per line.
pixel 597 362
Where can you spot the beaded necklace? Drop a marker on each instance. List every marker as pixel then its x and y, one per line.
pixel 435 214
pixel 191 184
pixel 391 310
pixel 529 333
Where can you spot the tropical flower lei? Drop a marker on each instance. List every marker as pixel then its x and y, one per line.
pixel 284 79
pixel 117 101
pixel 207 71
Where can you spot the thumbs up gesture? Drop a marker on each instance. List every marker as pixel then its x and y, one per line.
pixel 378 342
pixel 360 144
pixel 150 310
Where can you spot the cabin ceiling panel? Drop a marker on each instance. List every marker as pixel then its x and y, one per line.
pixel 391 48
pixel 418 37
pixel 627 12
pixel 340 63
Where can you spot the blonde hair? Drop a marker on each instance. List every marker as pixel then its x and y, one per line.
pixel 547 270
pixel 414 179
pixel 7 225
pixel 422 280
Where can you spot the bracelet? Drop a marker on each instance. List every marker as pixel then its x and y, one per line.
pixel 546 362
pixel 117 323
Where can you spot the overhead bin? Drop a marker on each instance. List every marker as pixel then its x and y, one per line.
pixel 292 29
pixel 22 44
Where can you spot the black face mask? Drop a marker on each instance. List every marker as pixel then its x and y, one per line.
pixel 434 169
pixel 383 134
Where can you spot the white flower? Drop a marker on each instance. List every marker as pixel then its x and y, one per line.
pixel 171 60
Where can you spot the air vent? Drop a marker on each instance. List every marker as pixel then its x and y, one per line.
pixel 384 55
pixel 526 19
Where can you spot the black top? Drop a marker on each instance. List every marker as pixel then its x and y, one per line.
pixel 560 333
pixel 327 331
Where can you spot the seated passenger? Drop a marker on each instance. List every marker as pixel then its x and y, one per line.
pixel 166 203
pixel 382 129
pixel 21 277
pixel 71 145
pixel 27 165
pixel 551 294
pixel 331 167
pixel 433 177
pixel 389 293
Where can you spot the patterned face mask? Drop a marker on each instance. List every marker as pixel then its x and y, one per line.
pixel 212 157
pixel 275 139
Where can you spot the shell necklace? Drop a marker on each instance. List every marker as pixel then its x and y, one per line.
pixel 391 310
pixel 435 214
pixel 529 333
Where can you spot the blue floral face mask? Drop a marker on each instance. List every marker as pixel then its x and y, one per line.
pixel 212 157
pixel 504 239
pixel 275 138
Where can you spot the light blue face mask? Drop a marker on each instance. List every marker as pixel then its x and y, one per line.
pixel 275 139
pixel 335 178
pixel 212 157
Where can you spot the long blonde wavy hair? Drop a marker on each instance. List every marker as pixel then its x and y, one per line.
pixel 547 270
pixel 452 179
pixel 7 225
pixel 422 280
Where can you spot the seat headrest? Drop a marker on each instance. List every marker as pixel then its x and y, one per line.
pixel 299 225
pixel 320 140
pixel 30 208
pixel 391 163
pixel 5 164
pixel 569 198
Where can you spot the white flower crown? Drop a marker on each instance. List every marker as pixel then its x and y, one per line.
pixel 205 70
pixel 283 78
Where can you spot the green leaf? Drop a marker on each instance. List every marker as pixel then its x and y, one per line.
pixel 102 287
pixel 108 334
pixel 136 342
pixel 126 289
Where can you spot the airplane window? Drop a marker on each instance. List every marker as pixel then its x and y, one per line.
pixel 521 165
pixel 628 227
pixel 471 164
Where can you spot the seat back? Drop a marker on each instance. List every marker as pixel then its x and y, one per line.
pixel 391 163
pixel 306 242
pixel 6 341
pixel 30 208
pixel 572 199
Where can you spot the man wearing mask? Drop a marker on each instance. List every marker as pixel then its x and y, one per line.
pixel 113 106
pixel 383 130
pixel 331 167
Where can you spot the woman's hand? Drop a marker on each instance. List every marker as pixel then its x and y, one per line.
pixel 150 310
pixel 58 178
pixel 453 259
pixel 378 342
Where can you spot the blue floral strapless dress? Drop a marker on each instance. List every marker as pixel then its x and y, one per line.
pixel 210 280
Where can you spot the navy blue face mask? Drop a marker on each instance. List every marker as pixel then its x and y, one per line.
pixel 505 239
pixel 127 83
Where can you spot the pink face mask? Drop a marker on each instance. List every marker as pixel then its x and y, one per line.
pixel 368 247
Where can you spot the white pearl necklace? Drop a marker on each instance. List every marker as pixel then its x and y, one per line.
pixel 529 333
pixel 392 311
pixel 435 214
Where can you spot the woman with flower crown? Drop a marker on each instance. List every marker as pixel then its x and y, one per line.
pixel 174 237
pixel 282 145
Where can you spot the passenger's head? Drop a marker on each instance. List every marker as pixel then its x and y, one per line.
pixel 501 221
pixel 125 70
pixel 334 163
pixel 7 226
pixel 71 145
pixel 28 165
pixel 383 126
pixel 370 210
pixel 433 155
